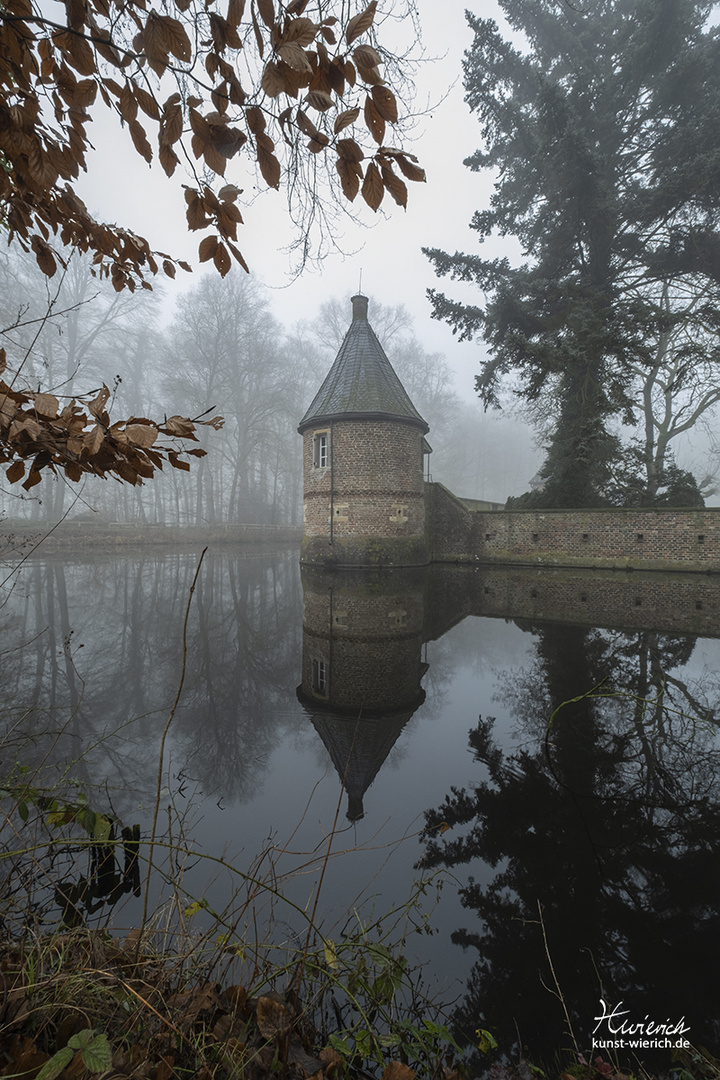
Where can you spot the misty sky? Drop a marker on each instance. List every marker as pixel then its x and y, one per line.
pixel 385 247
pixel 121 187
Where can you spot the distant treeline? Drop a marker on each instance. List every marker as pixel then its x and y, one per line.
pixel 222 349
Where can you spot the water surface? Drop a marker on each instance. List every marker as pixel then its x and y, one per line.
pixel 413 718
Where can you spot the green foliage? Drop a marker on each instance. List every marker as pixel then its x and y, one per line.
pixel 486 1041
pixel 602 132
pixel 370 1006
pixel 57 814
pixel 90 1046
pixel 675 486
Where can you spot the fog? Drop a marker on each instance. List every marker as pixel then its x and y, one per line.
pixel 219 347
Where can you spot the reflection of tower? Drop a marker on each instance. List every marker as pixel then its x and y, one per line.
pixel 363 447
pixel 362 666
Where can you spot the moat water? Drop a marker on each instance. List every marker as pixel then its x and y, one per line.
pixel 545 744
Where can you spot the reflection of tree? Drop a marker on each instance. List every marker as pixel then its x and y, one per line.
pixel 101 662
pixel 611 822
pixel 247 639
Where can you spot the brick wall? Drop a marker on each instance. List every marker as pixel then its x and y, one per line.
pixel 622 539
pixel 372 489
pixel 368 632
pixel 642 600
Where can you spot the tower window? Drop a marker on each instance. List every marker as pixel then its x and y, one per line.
pixel 321 450
pixel 319 677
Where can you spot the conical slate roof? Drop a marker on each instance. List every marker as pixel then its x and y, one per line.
pixel 361 384
pixel 358 750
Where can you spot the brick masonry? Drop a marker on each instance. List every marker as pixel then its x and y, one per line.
pixel 636 601
pixel 367 505
pixel 650 539
pixel 368 632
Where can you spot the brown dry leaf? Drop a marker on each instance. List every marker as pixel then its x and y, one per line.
pixel 98 404
pixel 237 255
pixel 24 1056
pixel 374 121
pixel 94 439
pixel 162 35
pixel 408 168
pixel 269 164
pixel 139 138
pixel 373 188
pixel 236 997
pixel 259 43
pixel 318 99
pixel 229 193
pixel 311 1066
pixel 147 103
pixel 350 176
pixel 165 1067
pixel 385 103
pixel 171 125
pixel 394 185
pixel 306 125
pixel 197 217
pixel 236 10
pixel 331 1059
pixel 44 256
pixel 360 23
pixel 221 258
pixel 34 477
pixel 349 150
pixel 267 12
pixel 395 1070
pixel 178 425
pixel 255 120
pixel 345 119
pixel 300 30
pixel 273 80
pixel 294 56
pixel 47 405
pixel 132 941
pixel 366 57
pixel 15 472
pixel 272 1017
pixel 143 435
pixel 203 999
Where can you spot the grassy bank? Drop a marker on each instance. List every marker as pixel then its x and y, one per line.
pixel 189 991
pixel 86 536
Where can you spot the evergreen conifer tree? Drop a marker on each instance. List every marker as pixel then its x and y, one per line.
pixel 603 130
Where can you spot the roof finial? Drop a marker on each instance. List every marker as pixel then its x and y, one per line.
pixel 359 307
pixel 360 284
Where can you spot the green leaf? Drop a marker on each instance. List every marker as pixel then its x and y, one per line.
pixel 101 828
pixel 485 1040
pixel 23 811
pixel 331 956
pixel 82 1039
pixel 96 1054
pixel 56 1064
pixel 197 905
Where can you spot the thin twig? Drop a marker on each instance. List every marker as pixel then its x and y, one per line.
pixel 161 761
pixel 558 991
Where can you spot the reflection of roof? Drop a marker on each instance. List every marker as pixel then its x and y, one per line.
pixel 358 749
pixel 361 384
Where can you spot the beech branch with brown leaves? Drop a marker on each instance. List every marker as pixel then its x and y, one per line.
pixel 79 439
pixel 318 80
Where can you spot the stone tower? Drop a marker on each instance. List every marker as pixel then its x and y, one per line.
pixel 363 450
